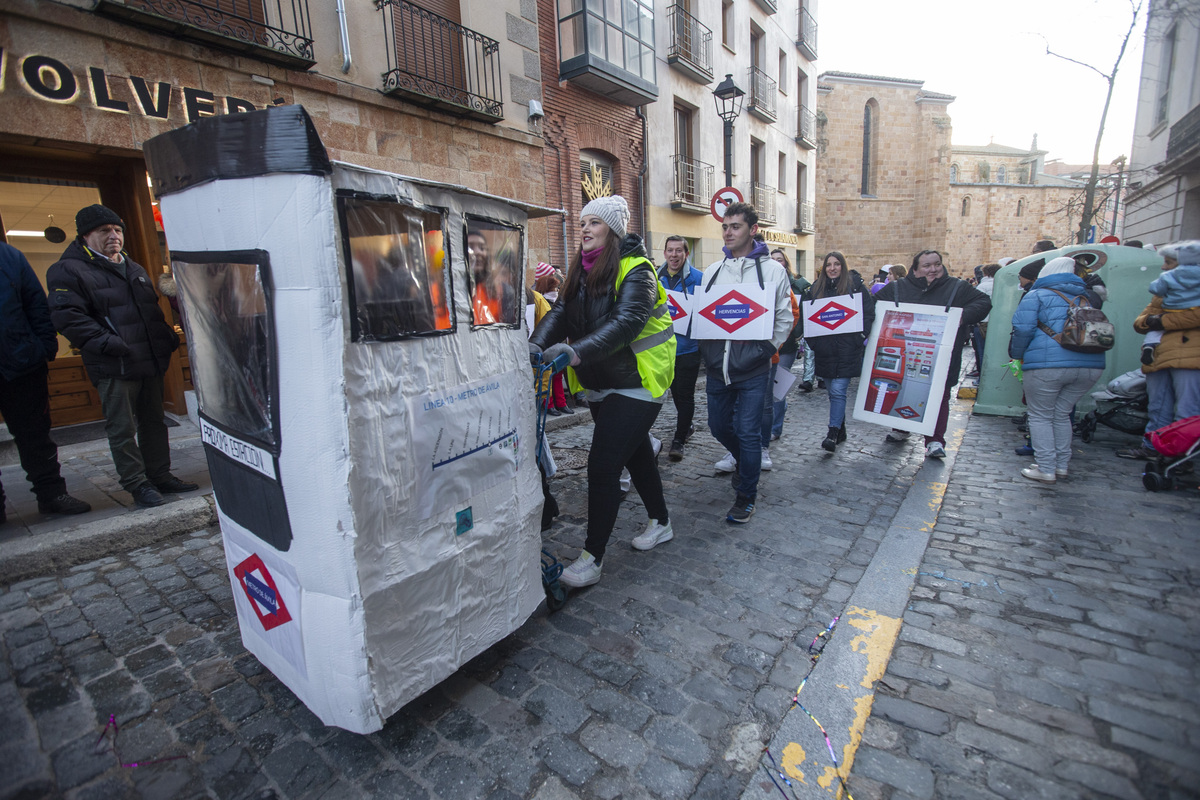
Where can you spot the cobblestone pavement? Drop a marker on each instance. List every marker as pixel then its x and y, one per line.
pixel 664 680
pixel 1051 648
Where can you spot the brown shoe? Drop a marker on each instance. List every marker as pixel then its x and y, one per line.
pixel 1140 453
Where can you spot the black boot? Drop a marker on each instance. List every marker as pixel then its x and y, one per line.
pixel 831 440
pixel 841 437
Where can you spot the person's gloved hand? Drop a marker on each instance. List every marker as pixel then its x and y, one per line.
pixel 1154 322
pixel 535 354
pixel 555 350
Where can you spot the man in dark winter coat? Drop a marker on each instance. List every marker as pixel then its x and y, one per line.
pixel 29 342
pixel 105 305
pixel 928 284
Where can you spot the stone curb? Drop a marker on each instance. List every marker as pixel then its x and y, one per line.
pixel 51 552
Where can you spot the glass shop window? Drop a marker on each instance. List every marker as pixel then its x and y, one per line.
pixel 396 256
pixel 495 271
pixel 231 342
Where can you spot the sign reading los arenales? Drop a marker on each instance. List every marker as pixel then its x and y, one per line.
pixel 49 79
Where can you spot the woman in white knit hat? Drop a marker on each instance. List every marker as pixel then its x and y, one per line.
pixel 612 319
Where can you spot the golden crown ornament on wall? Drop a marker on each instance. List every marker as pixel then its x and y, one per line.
pixel 594 184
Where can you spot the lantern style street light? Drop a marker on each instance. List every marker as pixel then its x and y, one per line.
pixel 729 106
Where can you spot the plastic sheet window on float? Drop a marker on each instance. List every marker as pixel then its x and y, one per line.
pixel 399 283
pixel 495 272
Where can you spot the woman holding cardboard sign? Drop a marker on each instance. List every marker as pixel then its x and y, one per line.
pixel 613 311
pixel 838 355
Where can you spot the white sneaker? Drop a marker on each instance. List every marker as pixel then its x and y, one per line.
pixel 726 464
pixel 896 436
pixel 1034 473
pixel 935 450
pixel 656 443
pixel 626 481
pixel 584 571
pixel 766 460
pixel 1060 473
pixel 656 533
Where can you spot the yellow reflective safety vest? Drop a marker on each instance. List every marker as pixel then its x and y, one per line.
pixel 654 347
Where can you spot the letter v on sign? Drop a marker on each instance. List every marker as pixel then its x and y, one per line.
pixel 156 104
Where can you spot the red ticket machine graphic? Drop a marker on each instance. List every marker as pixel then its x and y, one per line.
pixel 886 375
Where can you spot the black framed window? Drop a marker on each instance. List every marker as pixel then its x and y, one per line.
pixel 226 303
pixel 396 257
pixel 495 274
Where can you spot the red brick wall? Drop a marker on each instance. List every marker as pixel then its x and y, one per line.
pixel 577 119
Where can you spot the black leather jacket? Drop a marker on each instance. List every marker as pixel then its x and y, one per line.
pixel 601 328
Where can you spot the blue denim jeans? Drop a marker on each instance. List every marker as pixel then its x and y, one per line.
pixel 1173 394
pixel 735 418
pixel 838 388
pixel 780 406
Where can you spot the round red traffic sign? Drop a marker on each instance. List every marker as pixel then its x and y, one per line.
pixel 722 200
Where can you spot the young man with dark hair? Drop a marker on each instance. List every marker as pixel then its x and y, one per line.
pixel 678 275
pixel 739 372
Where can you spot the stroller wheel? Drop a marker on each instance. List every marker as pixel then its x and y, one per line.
pixel 1154 480
pixel 1087 427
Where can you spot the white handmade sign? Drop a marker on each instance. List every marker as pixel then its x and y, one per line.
pixel 739 312
pixel 830 315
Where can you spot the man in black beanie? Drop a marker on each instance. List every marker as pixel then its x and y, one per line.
pixel 104 303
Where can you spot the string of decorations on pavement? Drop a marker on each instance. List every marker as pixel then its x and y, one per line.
pixel 778 777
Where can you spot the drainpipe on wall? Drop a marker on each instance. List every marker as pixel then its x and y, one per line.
pixel 642 179
pixel 558 180
pixel 346 59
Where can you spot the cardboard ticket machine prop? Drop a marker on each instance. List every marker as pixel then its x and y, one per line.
pixel 906 363
pixel 366 406
pixel 1126 271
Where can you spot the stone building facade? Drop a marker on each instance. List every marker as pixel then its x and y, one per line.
pixel 883 169
pixel 86 83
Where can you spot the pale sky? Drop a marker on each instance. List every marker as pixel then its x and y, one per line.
pixel 992 58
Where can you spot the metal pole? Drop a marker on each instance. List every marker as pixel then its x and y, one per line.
pixel 729 152
pixel 1117 197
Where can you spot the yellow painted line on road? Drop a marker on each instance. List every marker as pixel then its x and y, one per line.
pixel 876 642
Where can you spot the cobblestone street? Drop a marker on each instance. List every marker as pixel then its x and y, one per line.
pixel 1049 649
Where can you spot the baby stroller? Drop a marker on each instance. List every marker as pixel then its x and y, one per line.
pixel 1177 445
pixel 1120 406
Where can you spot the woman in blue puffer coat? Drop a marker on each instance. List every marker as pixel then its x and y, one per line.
pixel 1055 378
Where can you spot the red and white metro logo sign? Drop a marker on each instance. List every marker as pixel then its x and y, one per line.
pixel 264 595
pixel 832 316
pixel 674 308
pixel 733 311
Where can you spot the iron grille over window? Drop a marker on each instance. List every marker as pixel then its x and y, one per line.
pixel 279 31
pixel 691 43
pixel 763 200
pixel 806 39
pixel 762 95
pixel 693 182
pixel 805 214
pixel 806 128
pixel 1184 135
pixel 436 62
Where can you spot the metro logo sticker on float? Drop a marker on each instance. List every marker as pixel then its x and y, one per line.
pixel 733 311
pixel 260 589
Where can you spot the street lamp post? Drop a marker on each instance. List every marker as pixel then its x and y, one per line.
pixel 729 106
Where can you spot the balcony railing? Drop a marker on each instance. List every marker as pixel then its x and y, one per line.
pixel 806 36
pixel 435 62
pixel 691 45
pixel 762 95
pixel 277 31
pixel 693 184
pixel 762 197
pixel 806 129
pixel 768 6
pixel 1184 135
pixel 805 217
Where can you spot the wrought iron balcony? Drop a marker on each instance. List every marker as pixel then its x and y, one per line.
pixel 762 95
pixel 691 45
pixel 693 185
pixel 805 217
pixel 806 129
pixel 1184 136
pixel 438 63
pixel 768 6
pixel 762 197
pixel 276 31
pixel 806 35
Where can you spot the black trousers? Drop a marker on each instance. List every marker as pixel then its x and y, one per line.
pixel 683 392
pixel 25 404
pixel 620 439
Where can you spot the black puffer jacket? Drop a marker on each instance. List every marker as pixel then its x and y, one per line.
pixel 27 339
pixel 840 355
pixel 113 319
pixel 945 292
pixel 601 328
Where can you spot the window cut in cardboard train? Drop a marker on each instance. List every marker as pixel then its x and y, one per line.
pixel 367 429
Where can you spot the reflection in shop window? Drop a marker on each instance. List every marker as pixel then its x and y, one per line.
pixel 495 272
pixel 396 258
pixel 231 344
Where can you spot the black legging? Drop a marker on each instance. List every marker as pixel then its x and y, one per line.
pixel 683 392
pixel 620 439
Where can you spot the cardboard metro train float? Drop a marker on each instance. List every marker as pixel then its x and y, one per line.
pixel 365 402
